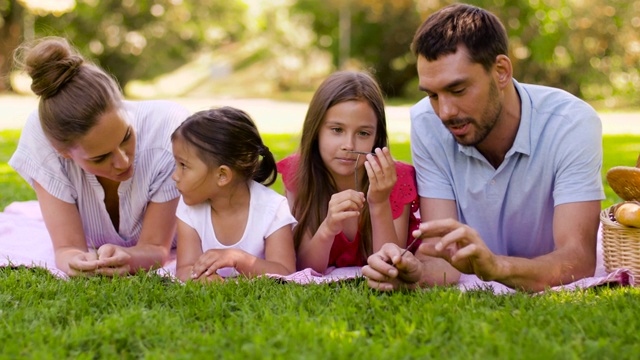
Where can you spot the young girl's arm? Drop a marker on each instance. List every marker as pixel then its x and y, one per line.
pixel 382 178
pixel 188 251
pixel 279 258
pixel 279 253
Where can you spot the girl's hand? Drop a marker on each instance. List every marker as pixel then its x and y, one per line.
pixel 215 259
pixel 209 279
pixel 392 268
pixel 342 206
pixel 113 260
pixel 381 170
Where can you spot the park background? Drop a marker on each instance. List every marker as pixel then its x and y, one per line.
pixel 267 57
pixel 284 48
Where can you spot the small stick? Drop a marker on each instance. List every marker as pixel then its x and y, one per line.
pixel 409 246
pixel 361 152
pixel 405 250
pixel 355 171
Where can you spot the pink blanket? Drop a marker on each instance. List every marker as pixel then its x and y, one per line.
pixel 24 240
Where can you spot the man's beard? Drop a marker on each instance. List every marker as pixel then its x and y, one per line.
pixel 488 120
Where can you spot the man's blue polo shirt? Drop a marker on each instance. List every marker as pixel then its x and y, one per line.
pixel 556 159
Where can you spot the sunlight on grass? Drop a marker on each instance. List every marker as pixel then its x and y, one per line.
pixel 6 169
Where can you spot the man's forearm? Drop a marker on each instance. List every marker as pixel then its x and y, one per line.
pixel 549 270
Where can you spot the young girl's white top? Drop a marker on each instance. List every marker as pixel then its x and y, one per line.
pixel 268 212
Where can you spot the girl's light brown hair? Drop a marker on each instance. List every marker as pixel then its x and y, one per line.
pixel 314 183
pixel 73 93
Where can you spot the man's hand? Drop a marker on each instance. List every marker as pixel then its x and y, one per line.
pixel 461 246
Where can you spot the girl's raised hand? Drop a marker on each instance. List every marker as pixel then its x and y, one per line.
pixel 342 206
pixel 381 170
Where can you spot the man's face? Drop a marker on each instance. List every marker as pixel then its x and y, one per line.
pixel 463 94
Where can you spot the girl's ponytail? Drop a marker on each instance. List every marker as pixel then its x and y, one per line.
pixel 267 172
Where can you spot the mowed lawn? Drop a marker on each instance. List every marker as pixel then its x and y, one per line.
pixel 148 316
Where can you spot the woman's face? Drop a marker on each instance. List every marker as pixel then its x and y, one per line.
pixel 108 149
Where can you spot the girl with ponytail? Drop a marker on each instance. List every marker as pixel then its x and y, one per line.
pixel 229 221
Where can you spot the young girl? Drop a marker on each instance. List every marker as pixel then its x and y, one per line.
pixel 327 180
pixel 228 221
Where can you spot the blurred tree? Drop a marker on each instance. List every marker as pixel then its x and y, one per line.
pixel 10 37
pixel 589 47
pixel 380 34
pixel 140 39
pixel 286 44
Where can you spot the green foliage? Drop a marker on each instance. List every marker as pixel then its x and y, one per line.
pixel 379 38
pixel 144 39
pixel 589 48
pixel 147 316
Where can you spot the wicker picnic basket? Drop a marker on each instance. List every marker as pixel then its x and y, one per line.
pixel 621 243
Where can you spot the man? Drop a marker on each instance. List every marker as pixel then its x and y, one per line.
pixel 508 173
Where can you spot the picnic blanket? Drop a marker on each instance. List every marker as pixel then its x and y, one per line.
pixel 24 241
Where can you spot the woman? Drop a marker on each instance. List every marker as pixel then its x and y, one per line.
pixel 100 166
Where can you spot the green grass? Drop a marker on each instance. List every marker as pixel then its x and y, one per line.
pixel 147 316
pixel 12 186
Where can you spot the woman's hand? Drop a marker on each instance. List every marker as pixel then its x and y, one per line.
pixel 83 264
pixel 113 260
pixel 381 170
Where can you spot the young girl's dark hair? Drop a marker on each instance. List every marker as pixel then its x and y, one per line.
pixel 73 93
pixel 228 136
pixel 315 185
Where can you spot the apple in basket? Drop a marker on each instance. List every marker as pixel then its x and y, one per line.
pixel 628 214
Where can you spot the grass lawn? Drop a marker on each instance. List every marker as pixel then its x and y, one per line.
pixel 146 316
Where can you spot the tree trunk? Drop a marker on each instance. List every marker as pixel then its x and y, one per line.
pixel 10 37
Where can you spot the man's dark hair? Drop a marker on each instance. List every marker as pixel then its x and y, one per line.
pixel 480 31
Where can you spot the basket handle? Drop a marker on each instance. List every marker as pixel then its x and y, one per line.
pixel 638 162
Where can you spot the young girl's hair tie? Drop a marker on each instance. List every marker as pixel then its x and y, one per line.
pixel 263 150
